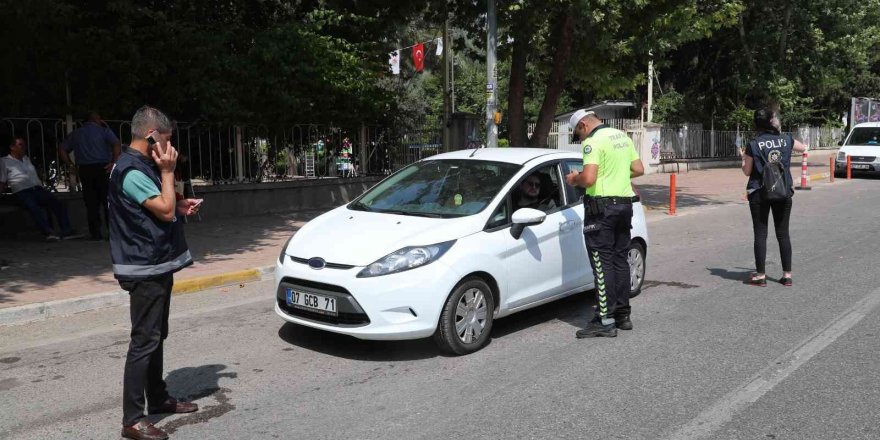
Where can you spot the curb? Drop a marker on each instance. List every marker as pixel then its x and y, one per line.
pixel 51 309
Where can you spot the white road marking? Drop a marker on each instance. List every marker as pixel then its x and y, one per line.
pixel 723 411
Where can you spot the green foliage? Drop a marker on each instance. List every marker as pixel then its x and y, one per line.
pixel 670 108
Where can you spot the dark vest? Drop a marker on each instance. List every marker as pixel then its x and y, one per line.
pixel 769 147
pixel 141 245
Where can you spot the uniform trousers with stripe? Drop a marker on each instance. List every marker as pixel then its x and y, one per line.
pixel 607 236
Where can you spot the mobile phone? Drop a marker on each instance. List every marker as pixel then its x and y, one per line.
pixel 150 139
pixel 198 202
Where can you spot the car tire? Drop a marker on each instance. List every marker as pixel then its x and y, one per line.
pixel 839 174
pixel 636 260
pixel 469 309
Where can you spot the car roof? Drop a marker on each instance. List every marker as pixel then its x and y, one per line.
pixel 517 156
pixel 868 125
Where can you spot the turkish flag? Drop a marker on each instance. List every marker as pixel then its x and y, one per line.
pixel 419 56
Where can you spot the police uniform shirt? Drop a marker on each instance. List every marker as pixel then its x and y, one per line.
pixel 613 151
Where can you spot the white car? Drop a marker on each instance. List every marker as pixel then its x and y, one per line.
pixel 863 146
pixel 438 248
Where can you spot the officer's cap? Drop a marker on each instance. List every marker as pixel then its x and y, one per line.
pixel 577 116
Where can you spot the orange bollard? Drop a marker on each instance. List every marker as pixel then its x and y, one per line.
pixel 831 168
pixel 672 194
pixel 848 167
pixel 804 177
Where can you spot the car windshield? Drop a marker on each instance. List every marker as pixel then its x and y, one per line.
pixel 438 188
pixel 864 136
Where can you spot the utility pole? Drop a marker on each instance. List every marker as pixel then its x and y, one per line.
pixel 650 85
pixel 447 95
pixel 491 83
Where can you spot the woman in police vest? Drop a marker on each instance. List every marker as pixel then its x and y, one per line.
pixel 768 149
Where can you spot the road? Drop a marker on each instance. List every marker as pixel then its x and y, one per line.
pixel 710 357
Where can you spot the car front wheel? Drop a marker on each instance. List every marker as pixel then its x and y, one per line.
pixel 466 319
pixel 636 259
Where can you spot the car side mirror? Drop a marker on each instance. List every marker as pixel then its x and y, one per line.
pixel 525 217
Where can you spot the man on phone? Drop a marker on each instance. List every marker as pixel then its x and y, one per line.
pixel 147 246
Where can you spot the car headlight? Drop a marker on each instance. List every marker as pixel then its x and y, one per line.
pixel 407 258
pixel 841 156
pixel 283 250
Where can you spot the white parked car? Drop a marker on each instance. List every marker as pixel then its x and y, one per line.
pixel 863 146
pixel 439 248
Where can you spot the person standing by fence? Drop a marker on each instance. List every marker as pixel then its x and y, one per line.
pixel 761 159
pixel 96 149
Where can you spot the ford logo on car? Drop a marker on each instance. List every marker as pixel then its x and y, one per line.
pixel 317 263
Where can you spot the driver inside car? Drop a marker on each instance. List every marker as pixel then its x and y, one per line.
pixel 534 192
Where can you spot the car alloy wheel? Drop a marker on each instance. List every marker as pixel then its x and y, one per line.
pixel 466 319
pixel 636 259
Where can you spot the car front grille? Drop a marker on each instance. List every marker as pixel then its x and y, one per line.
pixel 863 158
pixel 349 311
pixel 326 265
pixel 352 319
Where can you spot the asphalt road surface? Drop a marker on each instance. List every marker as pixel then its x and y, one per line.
pixel 710 357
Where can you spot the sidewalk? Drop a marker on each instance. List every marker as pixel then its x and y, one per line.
pixel 47 279
pixel 718 186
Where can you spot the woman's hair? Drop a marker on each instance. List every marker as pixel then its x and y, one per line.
pixel 764 120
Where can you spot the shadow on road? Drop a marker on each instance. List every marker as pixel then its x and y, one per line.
pixel 657 196
pixel 349 347
pixel 194 384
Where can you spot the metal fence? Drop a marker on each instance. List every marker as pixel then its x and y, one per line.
pixel 215 154
pixel 687 143
pixel 562 139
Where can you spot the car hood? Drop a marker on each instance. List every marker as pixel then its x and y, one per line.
pixel 358 238
pixel 861 150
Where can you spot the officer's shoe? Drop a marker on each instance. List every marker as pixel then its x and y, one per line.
pixel 596 330
pixel 623 322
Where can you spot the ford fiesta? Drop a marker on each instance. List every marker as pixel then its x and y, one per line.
pixel 443 247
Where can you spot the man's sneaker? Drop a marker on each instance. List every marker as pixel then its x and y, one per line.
pixel 623 323
pixel 595 330
pixel 52 237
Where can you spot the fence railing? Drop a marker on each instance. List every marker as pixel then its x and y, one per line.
pixel 215 154
pixel 685 143
pixel 562 139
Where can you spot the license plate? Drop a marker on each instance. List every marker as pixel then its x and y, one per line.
pixel 857 166
pixel 313 302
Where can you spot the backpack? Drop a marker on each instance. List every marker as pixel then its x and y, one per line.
pixel 774 186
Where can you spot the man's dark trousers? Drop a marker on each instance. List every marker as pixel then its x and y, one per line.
pixel 35 199
pixel 607 235
pixel 95 182
pixel 150 301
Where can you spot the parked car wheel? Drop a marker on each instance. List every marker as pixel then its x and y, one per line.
pixel 466 319
pixel 636 260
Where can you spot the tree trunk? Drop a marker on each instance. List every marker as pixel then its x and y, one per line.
pixel 786 21
pixel 745 44
pixel 555 83
pixel 517 91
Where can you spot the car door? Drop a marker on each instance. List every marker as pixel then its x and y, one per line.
pixel 575 259
pixel 534 261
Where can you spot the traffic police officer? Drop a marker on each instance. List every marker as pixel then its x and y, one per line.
pixel 610 161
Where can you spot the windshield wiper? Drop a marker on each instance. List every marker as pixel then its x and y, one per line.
pixel 358 206
pixel 414 214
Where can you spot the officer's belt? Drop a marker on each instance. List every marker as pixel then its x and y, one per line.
pixel 614 200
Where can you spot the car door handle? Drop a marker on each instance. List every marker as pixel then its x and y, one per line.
pixel 567 226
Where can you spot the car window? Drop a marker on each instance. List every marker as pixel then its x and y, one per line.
pixel 864 136
pixel 501 216
pixel 539 189
pixel 574 194
pixel 438 188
